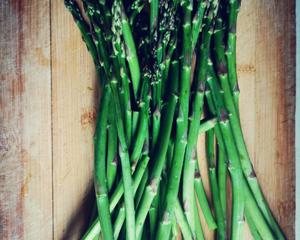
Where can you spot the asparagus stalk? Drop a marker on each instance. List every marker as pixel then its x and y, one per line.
pixel 182 221
pixel 122 214
pixel 252 227
pixel 72 6
pixel 197 21
pixel 159 160
pixel 246 164
pixel 184 90
pixel 131 54
pixel 188 171
pixel 138 175
pixel 100 168
pixel 143 123
pixel 207 125
pixel 237 185
pixel 231 149
pixel 202 199
pixel 125 164
pixel 198 228
pixel 222 165
pixel 221 220
pixel 234 7
pixel 222 178
pixel 135 118
pixel 112 143
pixel 164 226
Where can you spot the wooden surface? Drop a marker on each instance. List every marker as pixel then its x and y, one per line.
pixel 48 104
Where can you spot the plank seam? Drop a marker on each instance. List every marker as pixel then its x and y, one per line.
pixel 51 95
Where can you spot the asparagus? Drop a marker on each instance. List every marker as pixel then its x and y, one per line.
pixel 159 156
pixel 202 199
pixel 131 54
pixel 143 54
pixel 199 231
pixel 234 7
pixel 182 222
pixel 231 149
pixel 125 164
pixel 141 170
pixel 100 168
pixel 246 164
pixel 111 159
pixel 72 6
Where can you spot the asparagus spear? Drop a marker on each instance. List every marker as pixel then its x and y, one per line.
pixel 125 164
pixel 138 175
pixel 231 149
pixel 202 199
pixel 246 164
pixel 100 168
pixel 159 160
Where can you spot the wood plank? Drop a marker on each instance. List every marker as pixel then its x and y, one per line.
pixel 74 103
pixel 275 99
pixel 25 120
pixel 266 69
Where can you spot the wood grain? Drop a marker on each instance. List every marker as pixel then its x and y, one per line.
pixel 25 120
pixel 36 145
pixel 73 107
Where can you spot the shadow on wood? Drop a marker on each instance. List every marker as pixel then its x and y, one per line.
pixel 78 223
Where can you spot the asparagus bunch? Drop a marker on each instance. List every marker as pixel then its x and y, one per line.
pixel 167 72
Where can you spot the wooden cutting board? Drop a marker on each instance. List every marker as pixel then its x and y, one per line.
pixel 48 101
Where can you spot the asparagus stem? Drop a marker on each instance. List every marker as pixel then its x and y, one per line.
pixel 184 90
pixel 153 15
pixel 84 30
pixel 222 178
pixel 234 7
pixel 252 227
pixel 125 164
pixel 189 166
pixel 131 54
pixel 207 125
pixel 222 166
pixel 246 164
pixel 141 169
pixel 255 213
pixel 174 229
pixel 143 123
pixel 197 21
pixel 237 184
pixel 153 213
pixel 164 226
pixel 141 187
pixel 135 118
pixel 188 189
pixel 221 220
pixel 121 215
pixel 167 63
pixel 100 168
pixel 182 221
pixel 112 142
pixel 198 227
pixel 202 55
pixel 128 128
pixel 155 127
pixel 159 161
pixel 202 199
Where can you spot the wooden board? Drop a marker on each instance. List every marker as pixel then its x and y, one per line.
pixel 48 104
pixel 25 120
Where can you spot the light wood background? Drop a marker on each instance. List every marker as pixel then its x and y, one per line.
pixel 48 104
